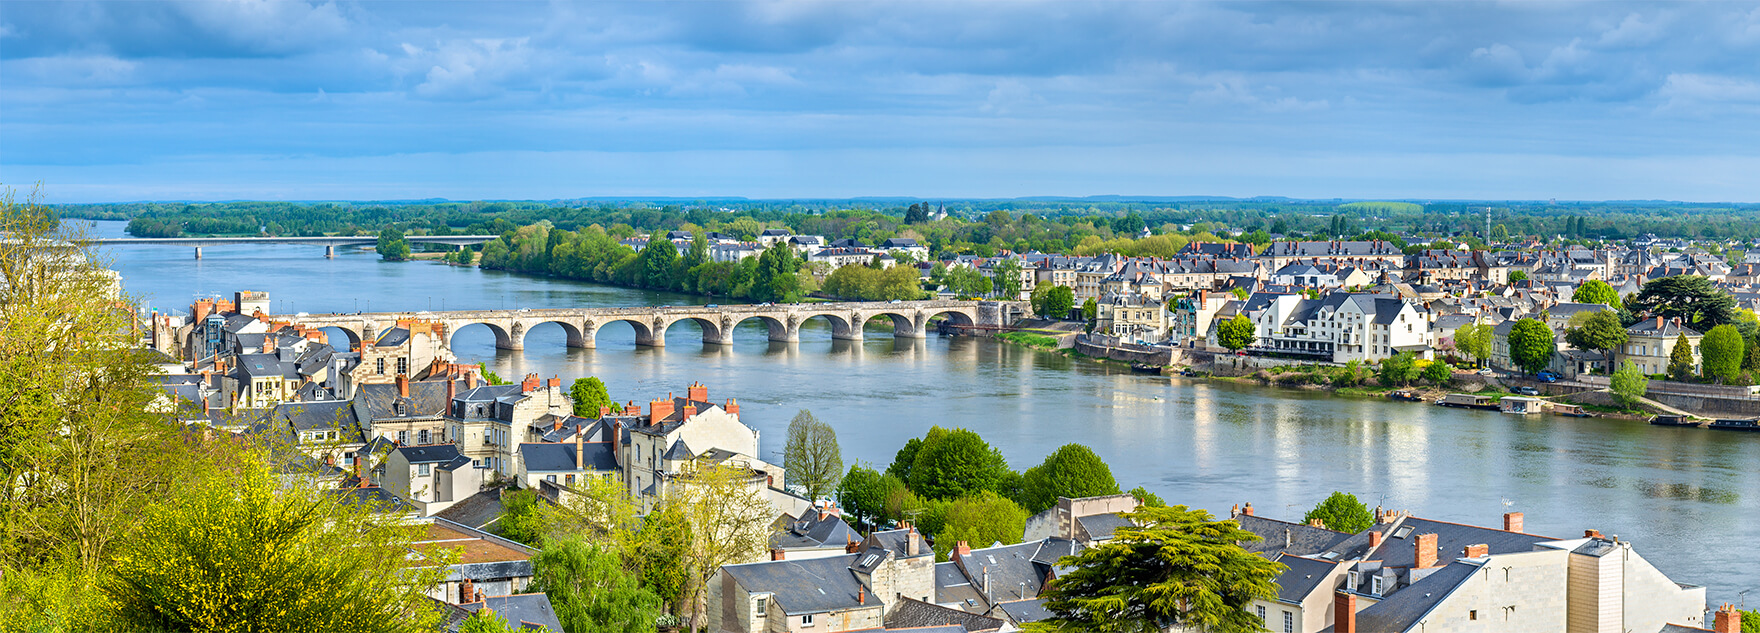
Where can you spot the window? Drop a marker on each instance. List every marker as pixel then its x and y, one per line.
pixel 403 366
pixel 568 480
pixel 1289 622
pixel 403 437
pixel 763 608
pixel 807 620
pixel 476 463
pixel 423 470
pixel 1262 616
pixel 1375 586
pixel 381 367
pixel 550 478
pixel 1356 580
pixel 423 436
pixel 1473 614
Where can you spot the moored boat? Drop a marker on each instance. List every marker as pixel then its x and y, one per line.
pixel 1735 424
pixel 1570 410
pixel 1405 395
pixel 1468 401
pixel 1672 420
pixel 1145 368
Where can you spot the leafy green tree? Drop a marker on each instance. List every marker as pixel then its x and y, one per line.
pixel 659 550
pixel 657 259
pixel 1600 331
pixel 1474 340
pixel 589 395
pixel 1176 568
pixel 1531 345
pixel 1518 276
pixel 1398 369
pixel 1059 301
pixel 1236 333
pixel 1342 512
pixel 1090 309
pixel 1007 277
pixel 485 620
pixel 776 278
pixel 1072 471
pixel 980 519
pixel 1720 354
pixel 241 549
pixel 731 523
pixel 1692 298
pixel 1680 359
pixel 392 247
pixel 522 517
pixel 864 492
pixel 1596 291
pixel 953 463
pixel 811 455
pixel 904 459
pixel 1438 373
pixel 1147 498
pixel 1499 234
pixel 1629 384
pixel 1751 621
pixel 591 590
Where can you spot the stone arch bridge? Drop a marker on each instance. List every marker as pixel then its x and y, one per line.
pixel 909 319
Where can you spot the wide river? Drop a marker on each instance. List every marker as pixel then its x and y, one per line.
pixel 1689 499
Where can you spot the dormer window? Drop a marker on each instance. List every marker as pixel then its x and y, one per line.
pixel 1375 585
pixel 1356 580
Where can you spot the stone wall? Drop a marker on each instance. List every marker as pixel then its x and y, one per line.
pixel 1101 347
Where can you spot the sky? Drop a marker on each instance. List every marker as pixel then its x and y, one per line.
pixel 247 99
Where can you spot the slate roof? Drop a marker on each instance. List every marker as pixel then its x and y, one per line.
pixel 477 511
pixel 679 452
pixel 815 532
pixel 1301 577
pixel 952 587
pixel 1101 526
pixel 1024 611
pixel 1451 540
pixel 262 365
pixel 1289 538
pixel 911 613
pixel 427 399
pixel 1398 612
pixel 393 337
pixel 553 458
pixel 1016 572
pixel 379 499
pixel 526 610
pixel 429 453
pixel 305 416
pixel 800 587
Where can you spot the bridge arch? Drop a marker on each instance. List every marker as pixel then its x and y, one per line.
pixel 348 335
pixel 779 330
pixel 713 331
pixel 576 336
pixel 503 338
pixel 839 320
pixel 903 325
pixel 644 330
pixel 956 316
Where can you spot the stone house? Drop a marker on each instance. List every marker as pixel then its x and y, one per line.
pixel 1132 317
pixel 850 592
pixel 487 422
pixel 430 477
pixel 1650 343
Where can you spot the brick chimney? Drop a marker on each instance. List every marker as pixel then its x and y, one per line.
pixel 697 392
pixel 1512 522
pixel 530 384
pixel 632 409
pixel 470 380
pixel 659 409
pixel 1424 551
pixel 466 591
pixel 1247 509
pixel 962 550
pixel 554 383
pixel 1658 323
pixel 604 411
pixel 777 554
pixel 201 309
pixel 1344 612
pixel 402 386
pixel 732 407
pixel 557 425
pixel 1727 620
pixel 1480 550
pixel 268 344
pixel 1591 533
pixel 861 594
pixel 580 451
pixel 690 410
pixel 451 392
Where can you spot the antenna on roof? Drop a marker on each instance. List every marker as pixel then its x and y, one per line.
pixel 1507 502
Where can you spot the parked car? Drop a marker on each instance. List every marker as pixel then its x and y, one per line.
pixel 1547 376
pixel 1526 391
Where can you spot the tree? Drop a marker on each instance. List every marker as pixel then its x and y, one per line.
pixel 1680 360
pixel 239 548
pixel 1596 291
pixel 983 519
pixel 1600 331
pixel 1438 373
pixel 1342 512
pixel 1037 300
pixel 776 279
pixel 1474 340
pixel 590 589
pixel 484 620
pixel 657 258
pixel 1629 384
pixel 1090 309
pixel 1176 567
pixel 1072 471
pixel 864 491
pixel 1007 276
pixel 392 247
pixel 811 455
pixel 1692 298
pixel 660 551
pixel 522 517
pixel 918 213
pixel 730 524
pixel 1236 333
pixel 1499 234
pixel 1518 276
pixel 1720 354
pixel 953 463
pixel 1058 302
pixel 1398 369
pixel 589 396
pixel 1144 497
pixel 1531 345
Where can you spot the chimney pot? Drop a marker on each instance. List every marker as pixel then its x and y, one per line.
pixel 466 591
pixel 1591 533
pixel 1728 620
pixel 1247 509
pixel 1424 551
pixel 1512 522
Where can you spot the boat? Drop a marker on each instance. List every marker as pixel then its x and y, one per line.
pixel 1405 395
pixel 1468 401
pixel 1735 424
pixel 1145 368
pixel 1570 410
pixel 1672 420
pixel 1521 405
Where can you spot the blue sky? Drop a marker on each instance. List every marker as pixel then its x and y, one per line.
pixel 804 98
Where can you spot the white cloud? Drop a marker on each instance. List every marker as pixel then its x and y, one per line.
pixel 465 69
pixel 1633 31
pixel 1237 91
pixel 1689 92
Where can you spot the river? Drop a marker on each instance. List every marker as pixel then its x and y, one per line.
pixel 1680 495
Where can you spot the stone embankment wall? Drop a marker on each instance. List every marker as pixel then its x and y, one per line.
pixel 1109 347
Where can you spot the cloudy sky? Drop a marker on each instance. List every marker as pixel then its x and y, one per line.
pixel 114 101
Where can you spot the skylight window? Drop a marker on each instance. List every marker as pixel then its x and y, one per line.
pixel 1403 532
pixel 870 560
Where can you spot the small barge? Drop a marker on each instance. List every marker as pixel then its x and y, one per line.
pixel 1672 420
pixel 1735 424
pixel 1468 401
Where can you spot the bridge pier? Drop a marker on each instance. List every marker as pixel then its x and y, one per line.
pixel 330 251
pixel 198 252
pixel 585 338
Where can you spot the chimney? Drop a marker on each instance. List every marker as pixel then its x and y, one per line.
pixel 1512 522
pixel 776 553
pixel 402 386
pixel 530 384
pixel 1424 551
pixel 1728 619
pixel 732 407
pixel 697 392
pixel 580 451
pixel 910 541
pixel 1476 551
pixel 1374 539
pixel 1591 533
pixel 690 410
pixel 961 550
pixel 1344 612
pixel 1658 323
pixel 1289 538
pixel 852 547
pixel 604 412
pixel 470 380
pixel 632 409
pixel 201 309
pixel 1247 509
pixel 1234 511
pixel 451 391
pixel 268 344
pixel 659 409
pixel 554 383
pixel 466 591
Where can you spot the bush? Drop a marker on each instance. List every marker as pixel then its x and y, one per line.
pixel 1438 373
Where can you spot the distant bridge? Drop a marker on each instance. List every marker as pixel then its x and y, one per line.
pixel 910 319
pixel 329 243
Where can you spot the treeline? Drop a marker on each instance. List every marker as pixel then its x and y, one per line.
pixel 592 254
